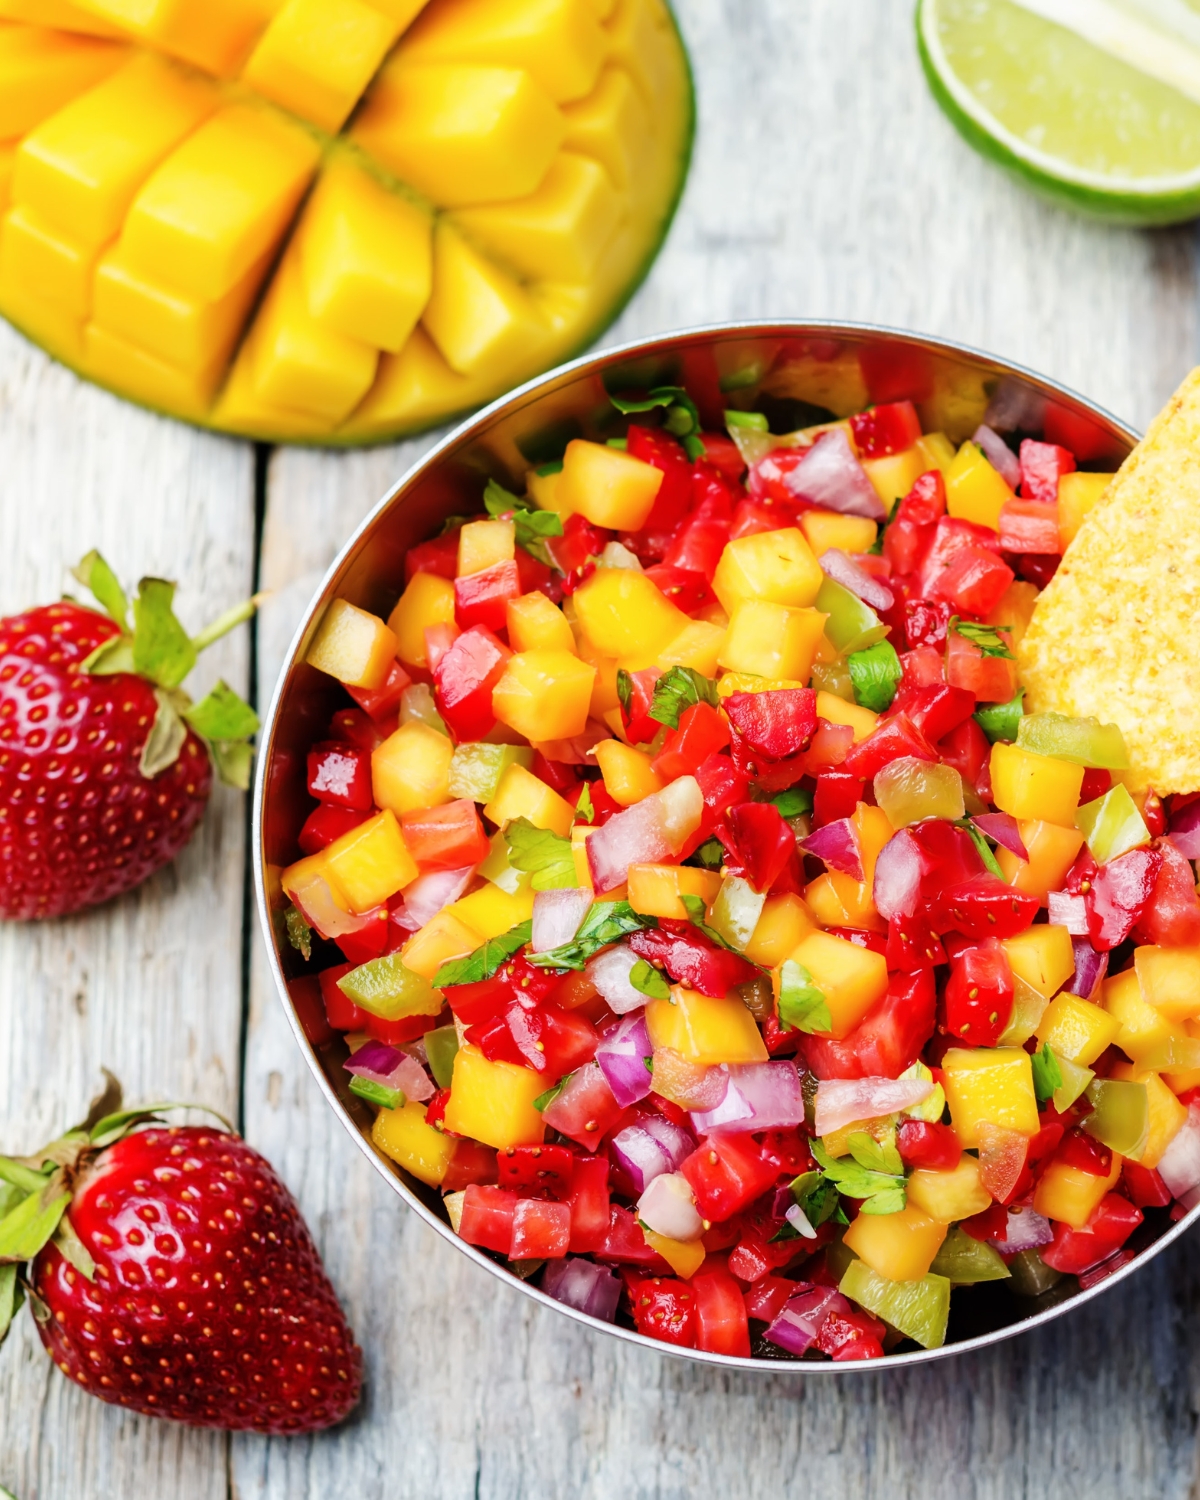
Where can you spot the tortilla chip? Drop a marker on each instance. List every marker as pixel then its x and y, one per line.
pixel 1116 634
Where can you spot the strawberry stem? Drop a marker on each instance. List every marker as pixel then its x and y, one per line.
pixel 223 624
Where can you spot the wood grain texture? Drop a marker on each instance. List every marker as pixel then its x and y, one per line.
pixel 150 986
pixel 825 183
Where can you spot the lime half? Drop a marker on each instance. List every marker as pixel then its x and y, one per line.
pixel 1094 102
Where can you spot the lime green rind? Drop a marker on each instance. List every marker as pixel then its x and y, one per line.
pixel 1140 210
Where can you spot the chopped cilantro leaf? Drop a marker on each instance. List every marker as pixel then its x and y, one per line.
pixel 796 801
pixel 624 690
pixel 647 980
pixel 542 854
pixel 532 526
pixel 1047 1075
pixel 299 933
pixel 875 673
pixel 986 637
pixel 879 1192
pixel 1001 721
pixel 985 849
pixel 802 1006
pixel 754 420
pixel 709 856
pixel 484 962
pixel 606 922
pixel 678 689
pixel 543 1101
pixel 584 810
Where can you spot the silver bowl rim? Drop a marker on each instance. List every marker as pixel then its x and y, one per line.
pixel 461 434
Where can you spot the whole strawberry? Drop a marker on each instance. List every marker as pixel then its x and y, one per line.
pixel 172 1274
pixel 105 764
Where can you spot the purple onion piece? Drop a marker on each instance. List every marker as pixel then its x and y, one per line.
pixel 842 568
pixel 837 844
pixel 623 1055
pixel 583 1285
pixel 1026 1230
pixel 781 1202
pixel 1179 1165
pixel 844 1101
pixel 1066 910
pixel 761 1096
pixel 1185 830
pixel 999 455
pixel 609 971
pixel 375 1057
pixel 1090 968
pixel 799 1324
pixel 640 1156
pixel 676 1140
pixel 1003 827
pixel 831 475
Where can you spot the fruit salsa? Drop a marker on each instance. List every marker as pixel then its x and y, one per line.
pixel 717 931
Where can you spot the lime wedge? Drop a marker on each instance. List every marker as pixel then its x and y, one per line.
pixel 1093 102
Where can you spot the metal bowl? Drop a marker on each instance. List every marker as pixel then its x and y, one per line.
pixel 785 369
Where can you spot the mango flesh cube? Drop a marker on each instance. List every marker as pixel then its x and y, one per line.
pixel 1043 957
pixel 559 232
pixel 704 1029
pixel 405 1138
pixel 900 1246
pixel 301 364
pixel 1167 1116
pixel 1035 786
pixel 825 528
pixel 952 1195
pixel 837 711
pixel 777 566
pixel 477 315
pixel 317 56
pixel 371 862
pixel 608 487
pixel 1144 1032
pixel 782 923
pixel 625 616
pixel 461 134
pixel 521 794
pixel 1070 1195
pixel 836 900
pixel 42 70
pixel 611 125
pixel 628 774
pixel 220 201
pixel 655 889
pixel 1170 980
pixel 8 163
pixel 355 647
pixel 893 476
pixel 1051 848
pixel 80 169
pixel 1076 1029
pixel 413 388
pixel 59 14
pixel 215 35
pixel 558 41
pixel 974 490
pixel 143 376
pixel 428 600
pixel 534 624
pixel 483 544
pixel 47 264
pixel 989 1086
pixel 544 695
pixel 491 911
pixel 698 646
pixel 852 979
pixel 493 1101
pixel 411 769
pixel 771 640
pixel 443 938
pixel 367 255
pixel 1079 494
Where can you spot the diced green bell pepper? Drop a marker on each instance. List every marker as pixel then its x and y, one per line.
pixel 476 768
pixel 1086 742
pixel 965 1261
pixel 389 989
pixel 919 1309
pixel 1112 825
pixel 376 1093
pixel 1120 1117
pixel 1074 1081
pixel 1027 1011
pixel 852 625
pixel 833 677
pixel 736 911
pixel 441 1048
pixel 1031 1276
pixel 1001 721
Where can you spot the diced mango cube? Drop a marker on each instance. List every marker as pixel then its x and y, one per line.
pixel 838 900
pixel 544 695
pixel 143 376
pixel 655 889
pixel 776 566
pixel 837 711
pixel 371 862
pixel 534 624
pixel 355 647
pixel 937 452
pixel 900 1246
pixel 1145 1034
pixel 367 257
pixel 782 924
pixel 46 263
pixel 216 35
pixel 624 616
pixel 1170 980
pixel 428 600
pixel 482 544
pixel 583 873
pixel 894 475
pixel 949 1196
pixel 491 911
pixel 685 1257
pixel 1167 1116
pixel 521 794
pixel 704 1029
pixel 610 125
pixel 1070 1195
pixel 477 314
pixel 827 528
pixel 609 487
pixel 461 134
pixel 852 979
pixel 771 640
pixel 317 56
pixel 1076 1029
pixel 443 938
pixel 220 201
pixel 989 1086
pixel 1035 786
pixel 411 769
pixel 41 70
pixel 493 1101
pixel 628 773
pixel 1051 848
pixel 698 646
pixel 1078 495
pixel 974 490
pixel 62 15
pixel 1043 956
pixel 403 1136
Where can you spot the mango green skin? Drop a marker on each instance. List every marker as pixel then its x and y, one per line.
pixel 1142 210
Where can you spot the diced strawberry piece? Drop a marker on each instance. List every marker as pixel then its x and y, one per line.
pixel 355 727
pixel 726 1174
pixel 481 598
pixel 881 430
pixel 925 622
pixel 974 582
pixel 685 589
pixel 981 908
pixel 439 556
pixel 1119 896
pixel 625 1244
pixel 761 847
pixel 766 1298
pixel 925 1143
pixel 539 1169
pixel 384 701
pixel 912 944
pixel 721 1326
pixel 465 677
pixel 697 546
pixel 662 452
pixel 993 679
pixel 951 536
pixel 935 710
pixel 702 732
pixel 723 454
pixel 342 1013
pixel 979 996
pixel 540 1230
pixel 906 545
pixel 1171 917
pixel 665 1309
pixel 888 1041
pixel 588 1198
pixel 639 726
pixel 836 796
pixel 774 724
pixel 1144 1187
pixel 487 1217
pixel 891 739
pixel 1077 1250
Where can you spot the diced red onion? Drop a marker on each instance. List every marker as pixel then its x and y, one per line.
pixel 845 1101
pixel 799 1323
pixel 999 455
pixel 1185 830
pixel 556 917
pixel 430 894
pixel 1179 1165
pixel 837 844
pixel 1090 968
pixel 798 1219
pixel 651 1147
pixel 392 1068
pixel 623 1055
pixel 842 568
pixel 761 1096
pixel 651 832
pixel 609 972
pixel 830 475
pixel 583 1285
pixel 669 1207
pixel 898 870
pixel 1068 911
pixel 1003 827
pixel 1026 1231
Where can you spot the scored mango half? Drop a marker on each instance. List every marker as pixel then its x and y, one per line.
pixel 331 221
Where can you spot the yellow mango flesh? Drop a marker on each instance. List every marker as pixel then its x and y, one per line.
pixel 989 1086
pixel 493 1101
pixel 1035 786
pixel 1070 1194
pixel 1076 1029
pixel 355 647
pixel 655 889
pixel 974 490
pixel 852 979
pixel 371 862
pixel 900 1246
pixel 411 769
pixel 704 1029
pixel 544 695
pixel 952 1195
pixel 403 1135
pixel 622 613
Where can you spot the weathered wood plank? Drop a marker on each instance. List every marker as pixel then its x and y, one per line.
pixel 150 986
pixel 825 183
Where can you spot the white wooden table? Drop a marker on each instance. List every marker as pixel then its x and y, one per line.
pixel 825 183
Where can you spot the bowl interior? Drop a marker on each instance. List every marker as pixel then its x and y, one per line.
pixel 797 374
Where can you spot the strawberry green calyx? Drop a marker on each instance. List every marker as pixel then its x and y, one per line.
pixel 158 648
pixel 36 1191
